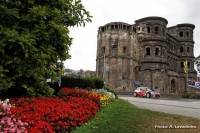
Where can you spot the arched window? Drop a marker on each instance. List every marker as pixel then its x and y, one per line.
pixel 187 33
pixel 148 51
pixel 188 49
pixel 124 50
pixel 181 34
pixel 148 30
pixel 157 51
pixel 182 64
pixel 156 29
pixel 181 49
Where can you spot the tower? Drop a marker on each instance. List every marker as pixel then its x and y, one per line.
pixel 117 54
pixel 151 33
pixel 146 51
pixel 184 34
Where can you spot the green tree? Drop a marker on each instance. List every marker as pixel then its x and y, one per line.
pixel 33 34
pixel 197 62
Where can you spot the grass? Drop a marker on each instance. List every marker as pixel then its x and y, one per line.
pixel 122 117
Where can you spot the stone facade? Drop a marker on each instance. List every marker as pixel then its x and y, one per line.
pixel 146 51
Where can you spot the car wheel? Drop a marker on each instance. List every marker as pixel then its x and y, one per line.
pixel 148 95
pixel 157 96
pixel 135 94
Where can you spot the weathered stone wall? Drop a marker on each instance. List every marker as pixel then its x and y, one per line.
pixel 127 59
pixel 182 85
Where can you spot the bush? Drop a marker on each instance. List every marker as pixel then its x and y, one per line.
pixel 186 95
pixel 99 83
pixel 109 89
pixel 192 95
pixel 82 82
pixel 196 96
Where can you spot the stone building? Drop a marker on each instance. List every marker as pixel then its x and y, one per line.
pixel 147 52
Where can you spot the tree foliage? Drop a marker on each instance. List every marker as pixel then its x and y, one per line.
pixel 34 33
pixel 197 62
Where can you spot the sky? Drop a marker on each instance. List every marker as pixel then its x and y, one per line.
pixel 84 47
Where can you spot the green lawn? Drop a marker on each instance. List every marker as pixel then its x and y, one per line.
pixel 122 117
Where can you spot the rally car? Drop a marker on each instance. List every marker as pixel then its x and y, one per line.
pixel 146 92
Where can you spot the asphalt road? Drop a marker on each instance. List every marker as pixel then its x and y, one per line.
pixel 185 107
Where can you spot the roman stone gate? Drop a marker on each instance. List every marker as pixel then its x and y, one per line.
pixel 148 52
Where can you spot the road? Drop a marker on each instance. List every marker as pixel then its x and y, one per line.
pixel 185 107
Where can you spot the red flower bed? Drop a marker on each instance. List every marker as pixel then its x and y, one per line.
pixel 49 115
pixel 81 93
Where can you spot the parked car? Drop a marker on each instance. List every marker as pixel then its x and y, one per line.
pixel 146 92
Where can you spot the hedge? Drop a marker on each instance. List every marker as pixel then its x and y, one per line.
pixel 82 82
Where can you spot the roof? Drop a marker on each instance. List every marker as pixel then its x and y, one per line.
pixel 152 18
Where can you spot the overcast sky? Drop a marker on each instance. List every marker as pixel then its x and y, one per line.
pixel 84 47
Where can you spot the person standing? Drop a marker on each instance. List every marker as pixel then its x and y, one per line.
pixel 54 83
pixel 49 75
pixel 57 84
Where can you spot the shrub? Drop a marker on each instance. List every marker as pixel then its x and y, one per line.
pixel 109 89
pixel 192 95
pixel 186 95
pixel 99 83
pixel 196 96
pixel 82 82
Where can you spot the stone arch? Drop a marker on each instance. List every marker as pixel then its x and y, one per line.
pixel 172 85
pixel 148 51
pixel 124 49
